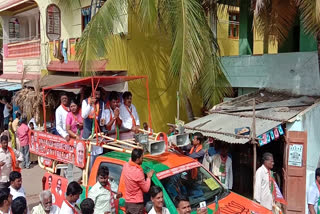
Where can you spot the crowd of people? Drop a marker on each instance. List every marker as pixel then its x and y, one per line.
pixel 101 199
pixel 75 121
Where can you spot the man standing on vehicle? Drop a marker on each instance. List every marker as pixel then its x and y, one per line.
pixel 61 116
pixel 101 193
pixel 313 195
pixel 9 161
pixel 68 206
pixel 135 182
pixel 129 114
pixel 195 150
pixel 263 187
pixel 92 107
pixel 111 115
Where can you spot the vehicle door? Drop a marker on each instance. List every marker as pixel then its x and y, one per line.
pixel 115 169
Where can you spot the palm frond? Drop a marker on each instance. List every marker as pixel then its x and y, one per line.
pixel 189 42
pixel 310 14
pixel 147 12
pixel 274 17
pixel 96 39
pixel 69 5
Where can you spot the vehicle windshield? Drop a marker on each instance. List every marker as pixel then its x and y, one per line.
pixel 197 184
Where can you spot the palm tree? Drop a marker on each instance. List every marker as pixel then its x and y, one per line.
pixel 194 59
pixel 273 19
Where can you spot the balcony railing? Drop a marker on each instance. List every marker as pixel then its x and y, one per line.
pixel 22 49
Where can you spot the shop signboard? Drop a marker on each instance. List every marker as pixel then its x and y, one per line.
pixel 295 155
pixel 57 148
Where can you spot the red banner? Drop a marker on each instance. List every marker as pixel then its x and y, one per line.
pixel 57 148
pixel 57 186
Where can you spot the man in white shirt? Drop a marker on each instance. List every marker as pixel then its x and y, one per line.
pixel 68 206
pixel 222 166
pixel 262 187
pixel 61 116
pixel 313 195
pixel 129 114
pixel 9 161
pixel 16 189
pixel 45 206
pixel 157 201
pixel 101 193
pixel 5 201
pixel 92 107
pixel 111 114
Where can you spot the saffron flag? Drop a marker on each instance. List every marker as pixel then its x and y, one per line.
pixel 278 195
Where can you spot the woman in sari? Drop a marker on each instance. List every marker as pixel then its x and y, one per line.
pixel 74 123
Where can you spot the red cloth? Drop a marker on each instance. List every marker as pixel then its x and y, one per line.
pixel 135 182
pixel 22 133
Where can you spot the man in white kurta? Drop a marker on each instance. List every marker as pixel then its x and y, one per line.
pixel 262 187
pixel 222 167
pixel 128 113
pixel 61 116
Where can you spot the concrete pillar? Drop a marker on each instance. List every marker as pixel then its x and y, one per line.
pixel 37 25
pixel 30 26
pixel 5 28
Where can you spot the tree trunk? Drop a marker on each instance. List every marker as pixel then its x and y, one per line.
pixel 266 43
pixel 189 110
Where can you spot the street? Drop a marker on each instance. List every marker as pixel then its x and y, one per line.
pixel 32 183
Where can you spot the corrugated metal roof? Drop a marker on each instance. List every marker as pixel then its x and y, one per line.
pixel 224 126
pixel 9 86
pixel 272 109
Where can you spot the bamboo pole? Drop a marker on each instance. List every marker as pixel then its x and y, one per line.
pixel 253 141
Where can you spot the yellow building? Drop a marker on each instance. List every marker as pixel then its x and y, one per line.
pixel 34 29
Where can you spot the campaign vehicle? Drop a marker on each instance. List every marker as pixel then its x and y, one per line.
pixel 175 173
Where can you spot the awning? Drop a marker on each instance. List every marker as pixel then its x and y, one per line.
pixel 272 109
pixel 74 83
pixel 9 86
pixel 15 5
pixel 222 126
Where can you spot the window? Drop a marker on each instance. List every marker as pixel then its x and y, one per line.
pixel 197 184
pixel 85 16
pixel 14 28
pixel 53 22
pixel 234 25
pixel 114 174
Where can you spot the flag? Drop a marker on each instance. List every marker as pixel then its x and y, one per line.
pixel 216 209
pixel 278 195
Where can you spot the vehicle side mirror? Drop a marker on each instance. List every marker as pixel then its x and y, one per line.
pixel 122 202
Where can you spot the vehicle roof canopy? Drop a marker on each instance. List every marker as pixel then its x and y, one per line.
pixel 95 81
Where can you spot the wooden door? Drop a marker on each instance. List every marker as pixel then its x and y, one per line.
pixel 295 172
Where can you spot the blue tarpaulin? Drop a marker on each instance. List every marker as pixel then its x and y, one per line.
pixel 10 86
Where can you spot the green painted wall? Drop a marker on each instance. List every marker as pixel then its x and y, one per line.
pixel 245 32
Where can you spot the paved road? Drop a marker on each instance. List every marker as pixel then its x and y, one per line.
pixel 32 183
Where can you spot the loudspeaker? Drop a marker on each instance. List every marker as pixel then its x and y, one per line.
pixel 156 147
pixel 179 140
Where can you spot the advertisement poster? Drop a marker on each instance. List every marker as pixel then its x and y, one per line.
pixel 57 148
pixel 295 155
pixel 58 187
